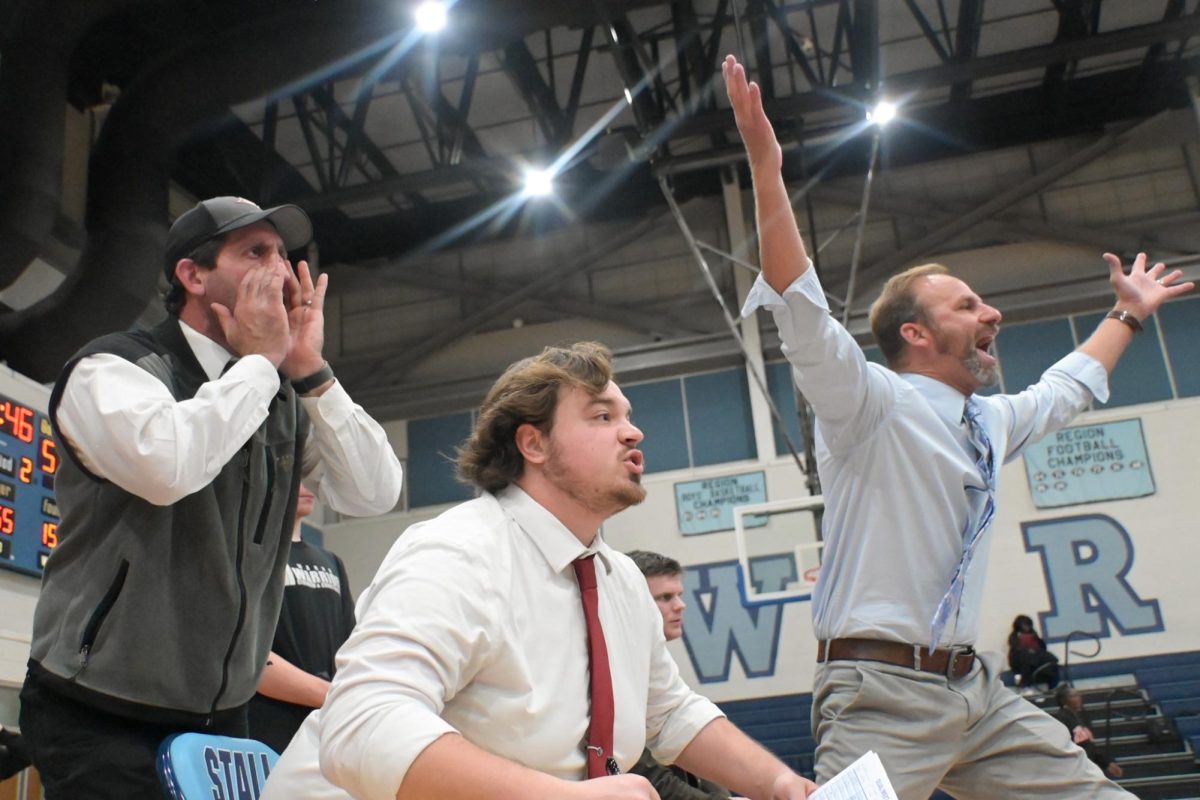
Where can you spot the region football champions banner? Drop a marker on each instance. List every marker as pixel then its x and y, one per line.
pixel 1088 464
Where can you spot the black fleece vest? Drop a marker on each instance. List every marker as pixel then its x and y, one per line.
pixel 166 613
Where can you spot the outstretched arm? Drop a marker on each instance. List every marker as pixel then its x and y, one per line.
pixel 1140 293
pixel 781 250
pixel 723 754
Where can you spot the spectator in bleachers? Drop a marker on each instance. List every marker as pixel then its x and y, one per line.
pixel 1028 657
pixel 1072 714
pixel 664 579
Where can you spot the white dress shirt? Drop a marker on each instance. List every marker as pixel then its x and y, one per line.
pixel 474 624
pixel 894 460
pixel 126 427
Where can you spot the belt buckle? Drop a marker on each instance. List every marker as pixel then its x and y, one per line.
pixel 952 659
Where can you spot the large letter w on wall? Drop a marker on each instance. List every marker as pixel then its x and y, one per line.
pixel 716 625
pixel 1086 559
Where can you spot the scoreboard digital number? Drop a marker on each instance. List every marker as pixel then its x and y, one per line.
pixel 28 512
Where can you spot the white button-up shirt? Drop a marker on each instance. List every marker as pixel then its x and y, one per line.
pixel 474 624
pixel 162 450
pixel 895 463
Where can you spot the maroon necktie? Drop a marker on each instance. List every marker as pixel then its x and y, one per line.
pixel 600 730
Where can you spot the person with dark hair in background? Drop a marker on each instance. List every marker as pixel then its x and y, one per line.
pixel 909 455
pixel 1074 716
pixel 1028 657
pixel 316 617
pixel 504 650
pixel 664 578
pixel 185 445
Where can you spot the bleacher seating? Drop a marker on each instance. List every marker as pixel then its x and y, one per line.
pixel 1146 710
pixel 782 724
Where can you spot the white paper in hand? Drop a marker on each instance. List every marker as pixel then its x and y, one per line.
pixel 865 779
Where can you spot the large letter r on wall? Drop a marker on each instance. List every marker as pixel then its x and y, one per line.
pixel 1086 560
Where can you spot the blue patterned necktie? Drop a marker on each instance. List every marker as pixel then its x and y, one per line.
pixel 985 461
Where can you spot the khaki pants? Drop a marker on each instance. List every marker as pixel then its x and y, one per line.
pixel 974 737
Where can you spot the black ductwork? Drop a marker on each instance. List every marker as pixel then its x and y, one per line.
pixel 131 164
pixel 35 56
pixel 233 52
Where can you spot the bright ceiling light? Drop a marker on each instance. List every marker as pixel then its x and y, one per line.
pixel 431 16
pixel 539 182
pixel 884 112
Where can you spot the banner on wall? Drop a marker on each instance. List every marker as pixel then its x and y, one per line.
pixel 706 506
pixel 1089 463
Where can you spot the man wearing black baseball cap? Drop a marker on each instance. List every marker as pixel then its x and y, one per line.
pixel 185 448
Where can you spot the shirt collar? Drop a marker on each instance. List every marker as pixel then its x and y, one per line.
pixel 556 544
pixel 211 356
pixel 947 402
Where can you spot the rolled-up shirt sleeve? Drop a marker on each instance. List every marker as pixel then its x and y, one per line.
pixel 828 366
pixel 348 461
pixel 1064 390
pixel 421 637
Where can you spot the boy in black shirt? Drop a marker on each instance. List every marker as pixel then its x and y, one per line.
pixel 316 618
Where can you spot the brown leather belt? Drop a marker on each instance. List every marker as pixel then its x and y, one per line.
pixel 953 662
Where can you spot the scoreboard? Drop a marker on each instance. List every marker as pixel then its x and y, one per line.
pixel 28 512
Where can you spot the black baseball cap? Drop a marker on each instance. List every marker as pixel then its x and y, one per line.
pixel 220 215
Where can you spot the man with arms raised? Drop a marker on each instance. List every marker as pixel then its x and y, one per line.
pixel 468 673
pixel 908 458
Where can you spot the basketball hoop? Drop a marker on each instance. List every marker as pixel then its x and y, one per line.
pixel 769 518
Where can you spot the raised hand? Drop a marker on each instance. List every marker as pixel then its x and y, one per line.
pixel 259 322
pixel 762 147
pixel 306 322
pixel 1143 290
pixel 780 248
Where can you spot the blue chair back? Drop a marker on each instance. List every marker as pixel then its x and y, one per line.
pixel 201 766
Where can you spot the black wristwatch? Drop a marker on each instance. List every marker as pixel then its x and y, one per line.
pixel 318 378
